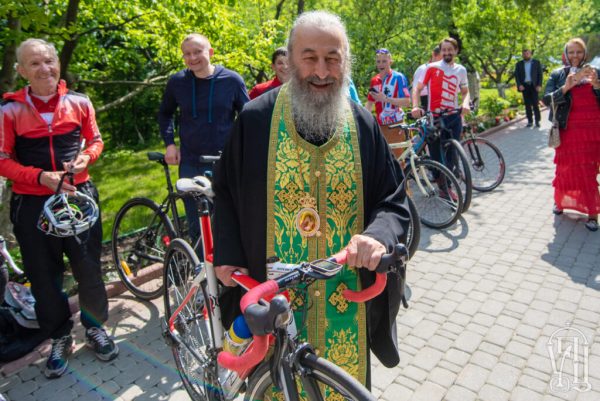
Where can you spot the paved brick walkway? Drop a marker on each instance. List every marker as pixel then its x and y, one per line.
pixel 487 296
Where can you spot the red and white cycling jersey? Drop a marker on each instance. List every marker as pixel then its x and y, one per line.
pixel 444 82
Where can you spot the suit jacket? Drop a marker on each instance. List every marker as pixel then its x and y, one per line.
pixel 536 73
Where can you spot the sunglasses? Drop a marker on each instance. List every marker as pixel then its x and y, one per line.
pixel 382 51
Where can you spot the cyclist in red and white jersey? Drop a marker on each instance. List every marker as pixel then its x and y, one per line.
pixel 445 80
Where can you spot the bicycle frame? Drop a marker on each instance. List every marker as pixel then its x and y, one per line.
pixel 282 371
pixel 206 274
pixel 411 153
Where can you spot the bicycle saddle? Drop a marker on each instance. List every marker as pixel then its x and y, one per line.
pixel 198 184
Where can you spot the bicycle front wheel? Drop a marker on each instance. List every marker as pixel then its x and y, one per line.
pixel 461 170
pixel 413 236
pixel 487 163
pixel 435 193
pixel 327 380
pixel 140 237
pixel 192 356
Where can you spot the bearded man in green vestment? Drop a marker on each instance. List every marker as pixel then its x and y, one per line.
pixel 305 174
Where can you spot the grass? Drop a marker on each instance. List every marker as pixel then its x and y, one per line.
pixel 123 174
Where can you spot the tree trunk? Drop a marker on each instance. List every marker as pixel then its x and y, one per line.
pixel 474 88
pixel 278 9
pixel 7 74
pixel 501 89
pixel 69 47
pixel 300 6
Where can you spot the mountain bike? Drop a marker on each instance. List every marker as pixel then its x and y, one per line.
pixel 452 153
pixel 195 333
pixel 485 160
pixel 142 232
pixel 433 189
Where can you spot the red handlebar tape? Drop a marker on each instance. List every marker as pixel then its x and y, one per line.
pixel 253 356
pixel 368 293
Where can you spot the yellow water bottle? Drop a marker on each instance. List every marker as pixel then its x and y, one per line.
pixel 238 337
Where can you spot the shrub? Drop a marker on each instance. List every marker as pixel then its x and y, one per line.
pixel 493 106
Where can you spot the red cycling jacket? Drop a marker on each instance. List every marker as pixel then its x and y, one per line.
pixel 29 145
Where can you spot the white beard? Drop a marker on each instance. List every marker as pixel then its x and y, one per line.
pixel 317 114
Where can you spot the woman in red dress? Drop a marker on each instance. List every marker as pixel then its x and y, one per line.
pixel 576 96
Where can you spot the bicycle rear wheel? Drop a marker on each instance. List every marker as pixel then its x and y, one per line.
pixel 487 163
pixel 196 362
pixel 413 236
pixel 320 375
pixel 140 236
pixel 435 193
pixel 461 170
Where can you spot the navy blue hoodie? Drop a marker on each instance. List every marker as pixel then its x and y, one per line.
pixel 207 109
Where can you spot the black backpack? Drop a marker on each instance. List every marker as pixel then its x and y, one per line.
pixel 15 340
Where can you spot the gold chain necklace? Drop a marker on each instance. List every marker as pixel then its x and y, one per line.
pixel 308 221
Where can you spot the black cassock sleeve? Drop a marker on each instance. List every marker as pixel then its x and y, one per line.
pixel 386 219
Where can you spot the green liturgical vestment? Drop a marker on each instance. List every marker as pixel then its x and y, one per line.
pixel 314 200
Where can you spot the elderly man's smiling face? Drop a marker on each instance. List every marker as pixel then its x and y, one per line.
pixel 39 65
pixel 317 60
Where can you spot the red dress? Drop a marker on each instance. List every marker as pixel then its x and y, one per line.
pixel 577 158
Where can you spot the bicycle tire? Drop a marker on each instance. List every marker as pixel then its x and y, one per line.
pixel 441 204
pixel 321 371
pixel 487 163
pixel 461 171
pixel 413 236
pixel 199 377
pixel 140 236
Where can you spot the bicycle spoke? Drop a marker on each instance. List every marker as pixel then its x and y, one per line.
pixel 435 194
pixel 140 236
pixel 195 364
pixel 486 162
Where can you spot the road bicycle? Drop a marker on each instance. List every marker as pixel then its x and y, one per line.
pixel 193 326
pixel 142 232
pixel 485 159
pixel 452 153
pixel 432 188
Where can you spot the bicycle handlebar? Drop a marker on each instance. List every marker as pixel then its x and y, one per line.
pixel 256 314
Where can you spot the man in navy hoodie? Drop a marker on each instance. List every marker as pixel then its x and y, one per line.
pixel 208 97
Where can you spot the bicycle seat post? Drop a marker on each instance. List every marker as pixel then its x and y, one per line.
pixel 168 176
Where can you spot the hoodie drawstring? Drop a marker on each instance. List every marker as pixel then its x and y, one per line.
pixel 210 98
pixel 194 111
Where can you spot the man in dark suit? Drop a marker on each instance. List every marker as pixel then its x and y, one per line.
pixel 528 74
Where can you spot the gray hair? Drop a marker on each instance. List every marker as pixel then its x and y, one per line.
pixel 35 42
pixel 324 20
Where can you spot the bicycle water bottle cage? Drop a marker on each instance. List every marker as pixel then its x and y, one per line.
pixel 67 215
pixel 198 185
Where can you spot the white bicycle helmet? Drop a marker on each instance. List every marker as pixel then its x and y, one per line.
pixel 68 215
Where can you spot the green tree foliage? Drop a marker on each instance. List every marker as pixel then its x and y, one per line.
pixel 493 32
pixel 121 53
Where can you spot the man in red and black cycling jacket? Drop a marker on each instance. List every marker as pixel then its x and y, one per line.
pixel 42 127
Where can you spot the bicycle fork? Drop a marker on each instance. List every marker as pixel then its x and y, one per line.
pixel 287 364
pixel 421 174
